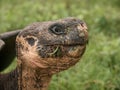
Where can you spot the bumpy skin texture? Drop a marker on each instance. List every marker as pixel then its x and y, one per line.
pixel 63 41
pixel 46 48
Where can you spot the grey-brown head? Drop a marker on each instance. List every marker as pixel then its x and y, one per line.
pixel 53 45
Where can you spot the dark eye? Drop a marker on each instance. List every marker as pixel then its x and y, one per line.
pixel 57 29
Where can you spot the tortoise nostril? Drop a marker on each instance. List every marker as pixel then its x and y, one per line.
pixel 82 24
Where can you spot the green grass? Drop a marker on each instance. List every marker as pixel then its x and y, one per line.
pixel 99 68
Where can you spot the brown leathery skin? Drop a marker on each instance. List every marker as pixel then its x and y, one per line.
pixel 44 49
pixel 47 48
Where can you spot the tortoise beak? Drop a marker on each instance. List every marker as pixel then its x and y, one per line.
pixel 83 33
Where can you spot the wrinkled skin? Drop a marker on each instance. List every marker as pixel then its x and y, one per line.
pixel 55 45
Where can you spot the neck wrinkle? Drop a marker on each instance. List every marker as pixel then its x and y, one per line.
pixel 33 78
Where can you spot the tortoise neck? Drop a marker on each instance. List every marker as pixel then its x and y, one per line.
pixel 33 79
pixel 9 81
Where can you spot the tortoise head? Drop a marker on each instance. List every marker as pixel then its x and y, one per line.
pixel 53 45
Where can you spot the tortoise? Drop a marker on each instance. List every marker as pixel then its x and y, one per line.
pixel 42 49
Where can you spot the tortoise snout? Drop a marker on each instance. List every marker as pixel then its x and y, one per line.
pixel 83 34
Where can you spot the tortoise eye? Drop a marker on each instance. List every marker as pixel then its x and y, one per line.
pixel 57 29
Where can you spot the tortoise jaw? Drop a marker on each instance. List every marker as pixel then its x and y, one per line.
pixel 58 51
pixel 75 51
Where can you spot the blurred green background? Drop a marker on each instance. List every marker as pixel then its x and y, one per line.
pixel 99 68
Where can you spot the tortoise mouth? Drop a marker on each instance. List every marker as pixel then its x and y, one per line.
pixel 58 51
pixel 70 50
pixel 75 51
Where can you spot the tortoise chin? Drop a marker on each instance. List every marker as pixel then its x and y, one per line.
pixel 60 57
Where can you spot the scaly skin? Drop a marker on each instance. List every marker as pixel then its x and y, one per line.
pixel 46 48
